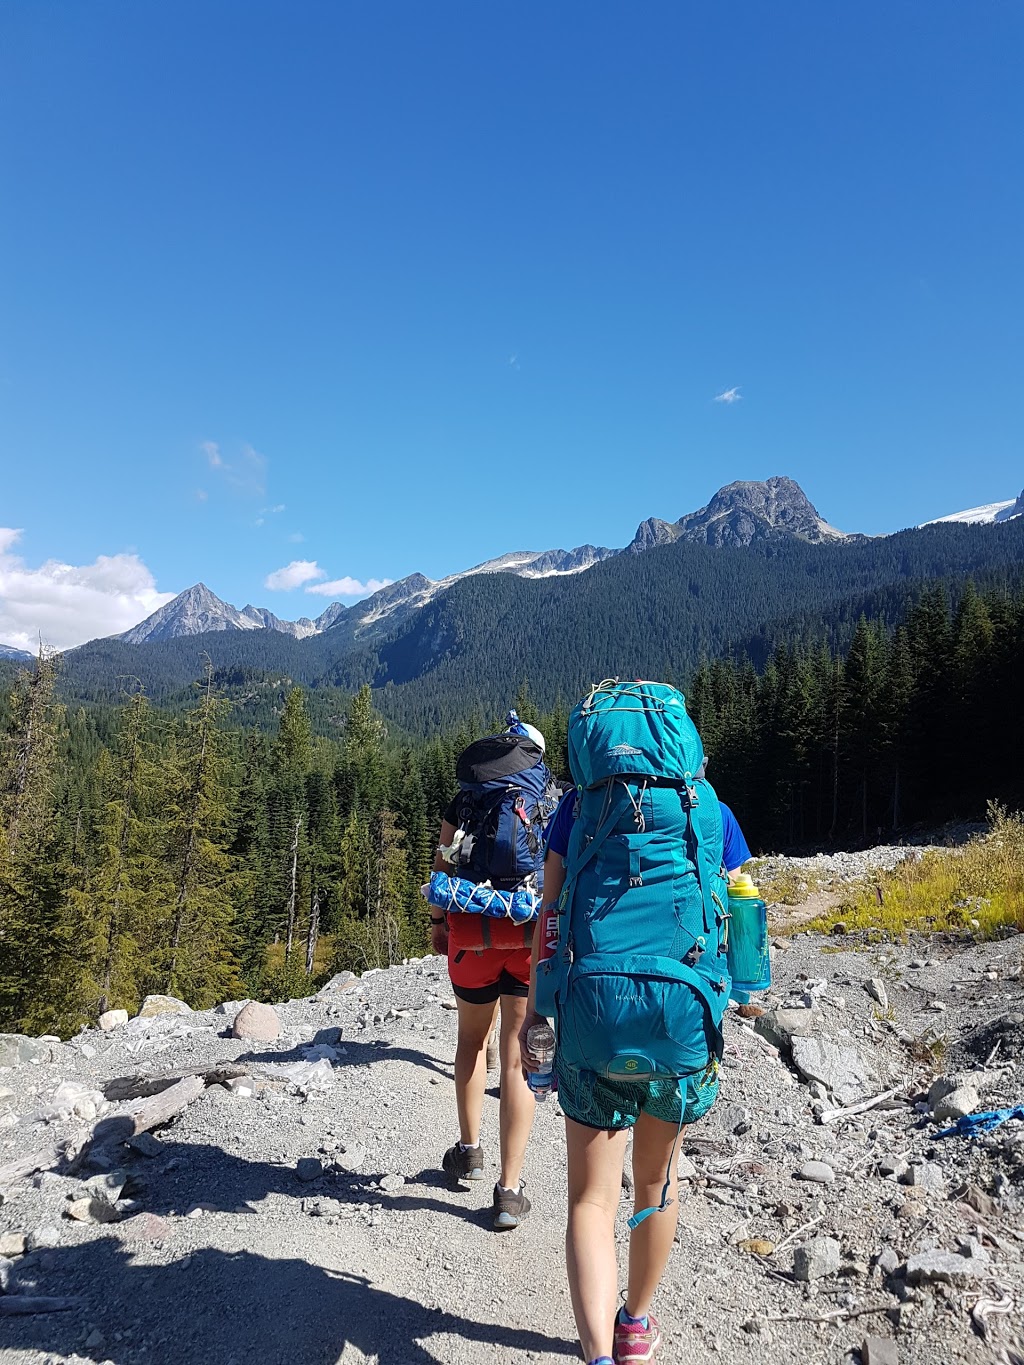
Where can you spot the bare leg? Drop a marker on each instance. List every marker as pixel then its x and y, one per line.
pixel 517 1104
pixel 651 1243
pixel 470 1068
pixel 493 1054
pixel 595 1185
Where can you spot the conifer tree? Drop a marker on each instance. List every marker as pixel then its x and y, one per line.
pixel 127 878
pixel 42 942
pixel 201 965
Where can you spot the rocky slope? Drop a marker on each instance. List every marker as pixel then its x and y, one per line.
pixel 293 1210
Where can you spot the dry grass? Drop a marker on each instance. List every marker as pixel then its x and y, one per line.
pixel 784 886
pixel 976 889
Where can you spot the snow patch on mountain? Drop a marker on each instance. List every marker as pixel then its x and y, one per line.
pixel 988 514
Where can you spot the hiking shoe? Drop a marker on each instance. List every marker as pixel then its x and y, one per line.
pixel 461 1164
pixel 509 1209
pixel 634 1342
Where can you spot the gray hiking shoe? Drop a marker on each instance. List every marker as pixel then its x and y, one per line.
pixel 460 1164
pixel 510 1209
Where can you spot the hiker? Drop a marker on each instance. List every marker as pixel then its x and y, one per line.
pixel 640 972
pixel 492 837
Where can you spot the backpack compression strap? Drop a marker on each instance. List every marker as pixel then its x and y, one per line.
pixel 638 1218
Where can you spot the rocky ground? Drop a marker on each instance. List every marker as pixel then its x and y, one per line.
pixel 292 1210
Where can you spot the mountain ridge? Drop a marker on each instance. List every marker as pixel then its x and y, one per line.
pixel 744 516
pixel 740 513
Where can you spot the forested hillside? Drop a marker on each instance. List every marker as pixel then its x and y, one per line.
pixel 152 849
pixel 659 612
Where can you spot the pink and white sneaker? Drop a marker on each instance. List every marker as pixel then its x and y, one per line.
pixel 633 1341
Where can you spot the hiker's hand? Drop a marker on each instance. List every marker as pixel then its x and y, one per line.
pixel 439 939
pixel 528 1060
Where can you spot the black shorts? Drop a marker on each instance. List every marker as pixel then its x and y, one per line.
pixel 506 984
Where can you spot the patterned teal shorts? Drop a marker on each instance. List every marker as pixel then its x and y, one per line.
pixel 612 1105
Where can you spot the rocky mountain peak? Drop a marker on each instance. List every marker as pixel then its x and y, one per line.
pixel 753 510
pixel 197 611
pixel 741 513
pixel 653 532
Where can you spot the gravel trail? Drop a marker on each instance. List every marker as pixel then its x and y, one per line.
pixel 315 1227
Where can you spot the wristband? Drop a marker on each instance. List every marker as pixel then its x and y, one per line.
pixel 442 920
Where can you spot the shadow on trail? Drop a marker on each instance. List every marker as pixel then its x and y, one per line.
pixel 353 1053
pixel 191 1175
pixel 245 1309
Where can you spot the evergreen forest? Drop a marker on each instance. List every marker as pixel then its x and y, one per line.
pixel 189 848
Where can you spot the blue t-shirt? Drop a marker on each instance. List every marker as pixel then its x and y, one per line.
pixel 734 847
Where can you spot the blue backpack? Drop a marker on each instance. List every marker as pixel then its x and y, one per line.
pixel 506 794
pixel 638 983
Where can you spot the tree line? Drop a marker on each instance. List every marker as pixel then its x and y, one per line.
pixel 151 850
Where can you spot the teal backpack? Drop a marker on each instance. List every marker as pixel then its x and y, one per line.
pixel 638 983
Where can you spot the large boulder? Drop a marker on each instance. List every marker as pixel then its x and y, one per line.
pixel 162 1004
pixel 257 1022
pixel 781 1025
pixel 841 1069
pixel 112 1019
pixel 16 1049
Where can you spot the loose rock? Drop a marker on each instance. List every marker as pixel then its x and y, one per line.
pixel 44 1237
pixel 350 1157
pixel 876 989
pixel 257 1022
pixel 958 1104
pixel 112 1019
pixel 928 1175
pixel 841 1069
pixel 162 1004
pixel 146 1145
pixel 816 1259
pixel 92 1210
pixel 17 1050
pixel 817 1171
pixel 944 1267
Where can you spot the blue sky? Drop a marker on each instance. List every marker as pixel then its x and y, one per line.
pixel 391 287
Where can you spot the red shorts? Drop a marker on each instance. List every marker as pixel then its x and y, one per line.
pixel 481 976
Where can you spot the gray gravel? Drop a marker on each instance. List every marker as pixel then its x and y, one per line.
pixel 308 1221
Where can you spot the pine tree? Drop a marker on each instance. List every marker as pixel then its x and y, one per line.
pixel 127 879
pixel 42 943
pixel 201 965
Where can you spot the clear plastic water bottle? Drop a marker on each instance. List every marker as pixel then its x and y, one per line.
pixel 540 1043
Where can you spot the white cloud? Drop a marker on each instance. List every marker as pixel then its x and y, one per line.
pixel 293 575
pixel 67 604
pixel 729 396
pixel 245 474
pixel 350 587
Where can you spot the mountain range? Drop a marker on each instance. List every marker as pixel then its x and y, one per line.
pixel 756 568
pixel 740 514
